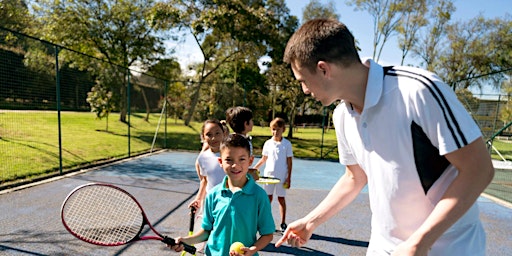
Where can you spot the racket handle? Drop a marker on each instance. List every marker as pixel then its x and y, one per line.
pixel 188 248
pixel 192 218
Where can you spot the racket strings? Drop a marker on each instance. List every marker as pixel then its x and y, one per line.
pixel 103 215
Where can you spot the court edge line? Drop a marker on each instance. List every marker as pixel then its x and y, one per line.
pixel 497 200
pixel 37 183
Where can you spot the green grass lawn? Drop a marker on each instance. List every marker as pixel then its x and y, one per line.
pixel 29 142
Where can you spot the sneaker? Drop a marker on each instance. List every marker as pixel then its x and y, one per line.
pixel 283 226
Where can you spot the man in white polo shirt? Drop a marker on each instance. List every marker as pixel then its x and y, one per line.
pixel 403 132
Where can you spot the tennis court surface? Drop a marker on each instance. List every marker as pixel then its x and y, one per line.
pixel 165 182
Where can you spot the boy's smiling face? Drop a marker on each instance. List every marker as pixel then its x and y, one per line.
pixel 235 161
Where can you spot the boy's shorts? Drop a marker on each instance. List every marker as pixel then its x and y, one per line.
pixel 276 189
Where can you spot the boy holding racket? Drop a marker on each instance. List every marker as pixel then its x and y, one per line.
pixel 278 155
pixel 236 210
pixel 402 132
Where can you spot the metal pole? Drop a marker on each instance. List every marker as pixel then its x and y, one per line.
pixel 165 113
pixel 323 132
pixel 57 81
pixel 128 110
pixel 494 124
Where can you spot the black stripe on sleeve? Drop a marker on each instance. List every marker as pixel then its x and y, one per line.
pixel 453 126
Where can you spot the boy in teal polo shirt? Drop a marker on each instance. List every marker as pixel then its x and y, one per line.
pixel 235 210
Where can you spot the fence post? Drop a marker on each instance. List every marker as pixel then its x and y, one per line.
pixel 165 113
pixel 128 111
pixel 57 89
pixel 494 124
pixel 323 132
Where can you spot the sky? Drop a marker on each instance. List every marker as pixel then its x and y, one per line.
pixel 360 23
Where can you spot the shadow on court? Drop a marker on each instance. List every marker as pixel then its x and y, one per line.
pixel 164 183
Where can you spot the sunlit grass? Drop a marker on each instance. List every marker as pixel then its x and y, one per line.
pixel 29 141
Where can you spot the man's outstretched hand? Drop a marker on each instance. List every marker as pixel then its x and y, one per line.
pixel 296 234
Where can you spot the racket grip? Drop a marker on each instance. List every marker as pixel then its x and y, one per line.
pixel 188 248
pixel 192 218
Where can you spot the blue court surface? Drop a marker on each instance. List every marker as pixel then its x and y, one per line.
pixel 165 182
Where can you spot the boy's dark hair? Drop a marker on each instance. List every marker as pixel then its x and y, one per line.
pixel 237 117
pixel 321 40
pixel 235 141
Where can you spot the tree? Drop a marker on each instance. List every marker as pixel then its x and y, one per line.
pixel 170 70
pixel 386 17
pixel 119 32
pixel 476 50
pixel 314 9
pixel 506 111
pixel 225 31
pixel 410 23
pixel 428 45
pixel 14 14
pixel 101 102
pixel 286 93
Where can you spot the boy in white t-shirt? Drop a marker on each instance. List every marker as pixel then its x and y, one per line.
pixel 278 152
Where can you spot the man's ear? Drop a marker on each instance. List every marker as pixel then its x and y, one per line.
pixel 220 160
pixel 251 159
pixel 324 68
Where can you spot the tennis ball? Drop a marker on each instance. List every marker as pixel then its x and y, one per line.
pixel 286 185
pixel 236 246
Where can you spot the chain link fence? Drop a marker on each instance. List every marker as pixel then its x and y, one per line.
pixel 46 124
pixel 490 113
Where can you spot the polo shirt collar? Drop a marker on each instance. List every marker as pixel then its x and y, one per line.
pixel 249 187
pixel 374 85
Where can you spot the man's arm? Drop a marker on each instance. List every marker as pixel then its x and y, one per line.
pixel 343 193
pixel 475 173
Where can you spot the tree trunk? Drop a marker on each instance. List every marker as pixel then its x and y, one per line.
pixel 193 103
pixel 145 103
pixel 123 101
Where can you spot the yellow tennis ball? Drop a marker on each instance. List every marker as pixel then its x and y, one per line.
pixel 236 246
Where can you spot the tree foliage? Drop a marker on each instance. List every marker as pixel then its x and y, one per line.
pixel 506 111
pixel 431 38
pixel 314 9
pixel 411 21
pixel 386 15
pixel 121 32
pixel 477 49
pixel 14 14
pixel 226 31
pixel 101 102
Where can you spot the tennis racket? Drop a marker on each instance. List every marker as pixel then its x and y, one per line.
pixel 268 180
pixel 191 225
pixel 103 214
